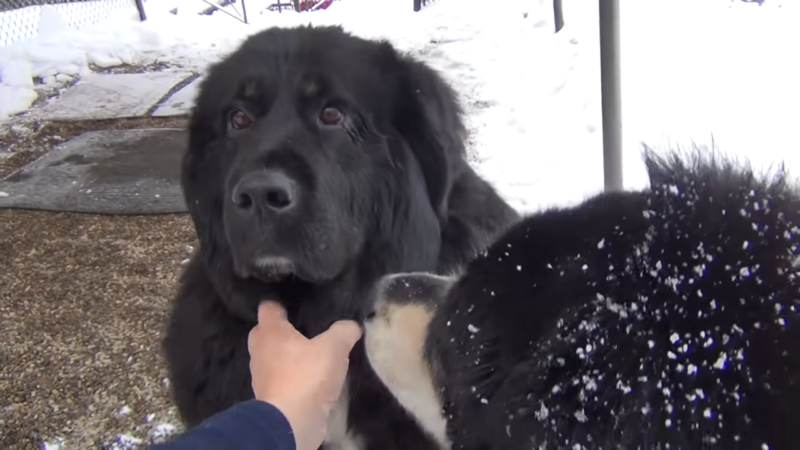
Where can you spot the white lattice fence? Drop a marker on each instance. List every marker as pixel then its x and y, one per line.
pixel 19 19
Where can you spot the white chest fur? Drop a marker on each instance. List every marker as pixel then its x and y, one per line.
pixel 338 437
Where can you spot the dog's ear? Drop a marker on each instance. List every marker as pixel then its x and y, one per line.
pixel 427 114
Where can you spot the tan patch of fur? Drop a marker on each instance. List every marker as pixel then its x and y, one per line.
pixel 310 88
pixel 395 341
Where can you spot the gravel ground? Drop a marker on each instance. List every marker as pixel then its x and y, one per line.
pixel 83 302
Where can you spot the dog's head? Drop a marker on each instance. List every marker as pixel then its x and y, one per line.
pixel 309 147
pixel 397 315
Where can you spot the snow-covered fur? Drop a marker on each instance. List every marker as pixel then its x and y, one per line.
pixel 665 318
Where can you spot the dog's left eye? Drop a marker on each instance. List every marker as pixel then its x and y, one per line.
pixel 331 116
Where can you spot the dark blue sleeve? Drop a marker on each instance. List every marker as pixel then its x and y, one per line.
pixel 249 425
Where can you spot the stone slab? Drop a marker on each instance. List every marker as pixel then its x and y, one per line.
pixel 104 172
pixel 180 103
pixel 111 96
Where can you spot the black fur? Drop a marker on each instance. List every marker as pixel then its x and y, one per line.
pixel 386 190
pixel 666 318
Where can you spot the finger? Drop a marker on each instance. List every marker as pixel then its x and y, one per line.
pixel 271 312
pixel 252 341
pixel 341 336
pixel 274 324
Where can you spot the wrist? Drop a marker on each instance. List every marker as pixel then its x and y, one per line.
pixel 285 408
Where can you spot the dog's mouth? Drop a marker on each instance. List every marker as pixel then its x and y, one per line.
pixel 267 268
pixel 272 268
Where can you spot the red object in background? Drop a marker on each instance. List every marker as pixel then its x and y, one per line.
pixel 314 4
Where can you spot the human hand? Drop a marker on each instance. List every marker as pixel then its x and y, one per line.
pixel 301 377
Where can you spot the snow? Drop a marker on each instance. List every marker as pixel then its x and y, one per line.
pixel 726 75
pixel 716 72
pixel 56 444
pixel 108 96
pixel 162 431
pixel 124 442
pixel 181 101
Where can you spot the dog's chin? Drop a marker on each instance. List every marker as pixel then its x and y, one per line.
pixel 272 268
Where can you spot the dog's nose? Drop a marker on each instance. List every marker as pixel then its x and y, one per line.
pixel 369 308
pixel 368 313
pixel 272 189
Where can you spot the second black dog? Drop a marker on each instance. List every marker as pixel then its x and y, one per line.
pixel 666 318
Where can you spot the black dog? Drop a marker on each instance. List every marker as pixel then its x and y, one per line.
pixel 317 163
pixel 666 318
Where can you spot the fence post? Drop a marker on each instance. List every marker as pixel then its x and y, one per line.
pixel 611 101
pixel 140 7
pixel 558 14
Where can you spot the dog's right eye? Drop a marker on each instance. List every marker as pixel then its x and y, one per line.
pixel 331 115
pixel 239 119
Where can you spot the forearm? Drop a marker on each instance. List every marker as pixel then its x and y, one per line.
pixel 249 425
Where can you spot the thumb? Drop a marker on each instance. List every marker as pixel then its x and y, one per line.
pixel 271 311
pixel 341 336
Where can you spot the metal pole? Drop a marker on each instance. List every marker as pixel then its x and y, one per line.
pixel 612 111
pixel 558 14
pixel 140 8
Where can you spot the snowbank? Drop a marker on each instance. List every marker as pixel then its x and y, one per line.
pixel 59 53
